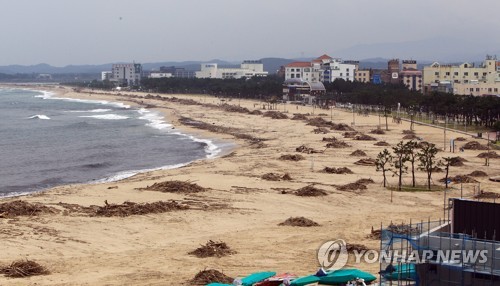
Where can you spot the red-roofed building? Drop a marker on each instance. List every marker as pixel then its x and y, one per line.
pixel 323 69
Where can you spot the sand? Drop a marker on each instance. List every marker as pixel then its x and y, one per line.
pixel 244 210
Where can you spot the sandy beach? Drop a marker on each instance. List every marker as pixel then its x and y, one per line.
pixel 239 207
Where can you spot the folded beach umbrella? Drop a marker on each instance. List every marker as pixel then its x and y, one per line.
pixel 255 277
pixel 343 276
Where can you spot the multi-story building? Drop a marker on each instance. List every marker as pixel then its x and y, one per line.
pixel 363 75
pixel 126 74
pixel 466 78
pixel 323 68
pixel 106 75
pixel 160 75
pixel 178 72
pixel 410 75
pixel 247 69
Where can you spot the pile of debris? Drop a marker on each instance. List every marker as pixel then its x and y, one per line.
pixel 310 191
pixel 299 221
pixel 255 112
pixel 175 187
pixel 377 131
pixel 351 247
pixel 487 195
pixel 460 179
pixel 366 162
pixel 365 181
pixel 321 130
pixel 23 268
pixel 374 234
pixel 299 116
pixel 234 108
pixel 307 150
pixel 478 174
pixel 474 145
pixel 131 208
pixel 457 161
pixel 364 137
pixel 276 177
pixel 409 132
pixel 350 134
pixel 342 127
pixel 490 154
pixel 402 229
pixel 352 187
pixel 460 139
pixel 213 249
pixel 342 170
pixel 382 143
pixel 22 208
pixel 292 157
pixel 410 137
pixel 218 129
pixel 210 276
pixel 275 114
pixel 320 122
pixel 358 153
pixel 337 144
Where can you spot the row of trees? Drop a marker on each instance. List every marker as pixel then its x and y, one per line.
pixel 419 156
pixel 477 110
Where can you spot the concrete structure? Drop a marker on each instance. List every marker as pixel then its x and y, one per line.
pixel 247 69
pixel 106 75
pixel 297 89
pixel 178 72
pixel 464 78
pixel 126 74
pixel 160 75
pixel 411 76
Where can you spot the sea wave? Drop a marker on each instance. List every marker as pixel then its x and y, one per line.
pixel 127 174
pixel 90 111
pixel 50 95
pixel 39 116
pixel 106 116
pixel 156 121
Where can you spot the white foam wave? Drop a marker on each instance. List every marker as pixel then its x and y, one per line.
pixel 156 121
pixel 90 111
pixel 107 116
pixel 127 174
pixel 39 116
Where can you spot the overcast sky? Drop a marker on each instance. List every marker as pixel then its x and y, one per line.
pixel 63 32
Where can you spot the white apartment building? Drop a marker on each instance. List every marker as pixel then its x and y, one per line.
pixel 324 69
pixel 106 75
pixel 126 74
pixel 247 69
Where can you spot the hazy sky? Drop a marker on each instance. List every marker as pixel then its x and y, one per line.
pixel 63 32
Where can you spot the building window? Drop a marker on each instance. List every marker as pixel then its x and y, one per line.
pixel 466 73
pixel 347 69
pixel 466 81
pixel 292 75
pixel 484 74
pixel 496 89
pixel 489 89
pixel 476 74
pixel 455 73
pixel 292 70
pixel 477 89
pixel 297 75
pixel 347 74
pixel 436 73
pixel 447 73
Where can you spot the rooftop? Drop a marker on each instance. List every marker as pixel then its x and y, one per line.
pixel 299 65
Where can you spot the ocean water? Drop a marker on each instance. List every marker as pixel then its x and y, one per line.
pixel 47 141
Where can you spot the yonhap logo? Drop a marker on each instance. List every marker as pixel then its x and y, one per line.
pixel 332 255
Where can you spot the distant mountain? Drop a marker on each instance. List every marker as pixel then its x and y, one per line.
pixel 428 50
pixel 270 64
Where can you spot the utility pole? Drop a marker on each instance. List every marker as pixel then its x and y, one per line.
pixel 444 135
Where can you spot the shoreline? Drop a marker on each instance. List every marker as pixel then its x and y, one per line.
pixel 243 209
pixel 214 147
